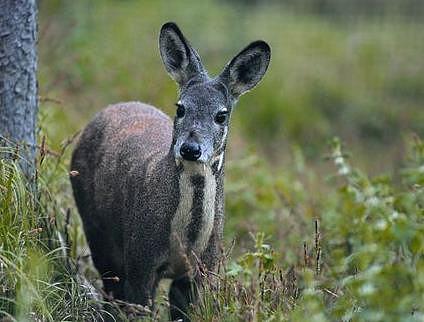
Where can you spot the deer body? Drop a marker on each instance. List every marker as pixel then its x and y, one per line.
pixel 149 190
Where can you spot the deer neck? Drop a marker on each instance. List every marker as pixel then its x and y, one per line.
pixel 193 222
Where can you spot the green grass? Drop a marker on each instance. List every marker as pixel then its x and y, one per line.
pixel 37 280
pixel 357 256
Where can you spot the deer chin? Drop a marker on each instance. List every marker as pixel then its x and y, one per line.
pixel 195 167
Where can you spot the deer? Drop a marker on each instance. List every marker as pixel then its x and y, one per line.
pixel 149 190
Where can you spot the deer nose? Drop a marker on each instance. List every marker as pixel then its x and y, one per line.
pixel 190 151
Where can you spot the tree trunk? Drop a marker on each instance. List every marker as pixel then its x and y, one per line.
pixel 18 79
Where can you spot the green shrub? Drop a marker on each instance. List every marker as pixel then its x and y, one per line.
pixel 364 262
pixel 38 281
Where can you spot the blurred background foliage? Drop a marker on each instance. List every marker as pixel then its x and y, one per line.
pixel 347 68
pixel 354 69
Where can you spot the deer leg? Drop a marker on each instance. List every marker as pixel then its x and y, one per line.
pixel 140 285
pixel 182 293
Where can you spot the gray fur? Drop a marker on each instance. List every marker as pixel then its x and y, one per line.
pixel 147 212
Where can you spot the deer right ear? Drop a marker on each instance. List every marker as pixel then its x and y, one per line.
pixel 247 68
pixel 181 61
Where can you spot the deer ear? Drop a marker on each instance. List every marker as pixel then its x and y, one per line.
pixel 181 61
pixel 247 68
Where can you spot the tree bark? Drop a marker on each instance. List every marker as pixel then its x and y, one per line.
pixel 18 79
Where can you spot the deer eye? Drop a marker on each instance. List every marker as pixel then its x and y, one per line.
pixel 180 110
pixel 221 117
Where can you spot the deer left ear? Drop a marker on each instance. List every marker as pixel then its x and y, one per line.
pixel 247 68
pixel 181 61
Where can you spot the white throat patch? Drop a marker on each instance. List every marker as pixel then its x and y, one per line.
pixel 180 248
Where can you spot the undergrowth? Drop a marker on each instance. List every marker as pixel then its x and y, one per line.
pixel 38 281
pixel 362 261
